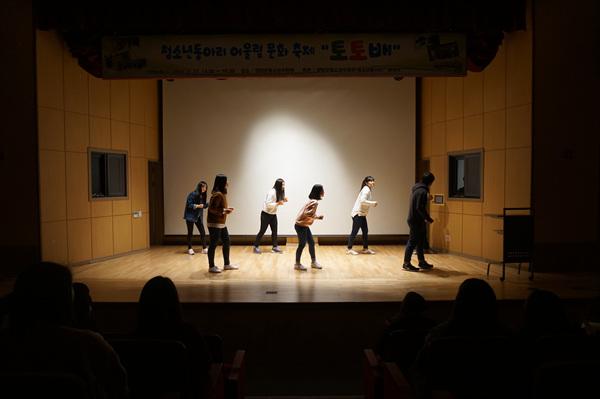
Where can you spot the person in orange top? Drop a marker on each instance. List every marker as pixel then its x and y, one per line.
pixel 305 218
pixel 215 220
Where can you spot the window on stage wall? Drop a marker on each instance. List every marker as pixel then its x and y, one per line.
pixel 108 174
pixel 465 175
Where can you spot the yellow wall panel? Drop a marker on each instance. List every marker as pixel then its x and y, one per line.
pixel 138 184
pixel 471 236
pixel 426 101
pixel 455 222
pixel 119 100
pixel 494 130
pixel 454 206
pixel 99 97
pixel 518 126
pixel 437 230
pixel 78 205
pixel 454 135
pixel 438 100
pixel 473 132
pixel 49 50
pixel 473 94
pixel 54 242
pixel 518 68
pixel 100 133
pixel 491 245
pixel 77 132
pixel 102 237
pixel 51 129
pixel 152 107
pixel 493 184
pixel 102 208
pixel 119 133
pixel 76 85
pixel 53 198
pixel 137 143
pixel 122 233
pixel 518 178
pixel 454 98
pixel 472 207
pixel 79 240
pixel 438 138
pixel 139 232
pixel 438 166
pixel 121 207
pixel 494 82
pixel 138 101
pixel 152 143
pixel 425 141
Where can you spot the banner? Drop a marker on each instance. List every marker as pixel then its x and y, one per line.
pixel 440 54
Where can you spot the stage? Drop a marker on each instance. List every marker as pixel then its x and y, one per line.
pixel 271 278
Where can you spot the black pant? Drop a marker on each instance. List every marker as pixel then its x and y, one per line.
pixel 216 235
pixel 304 236
pixel 359 222
pixel 190 232
pixel 267 220
pixel 416 239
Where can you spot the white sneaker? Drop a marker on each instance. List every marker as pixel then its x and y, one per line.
pixel 191 251
pixel 351 252
pixel 316 265
pixel 300 266
pixel 368 251
pixel 214 269
pixel 276 250
pixel 230 267
pixel 204 250
pixel 256 250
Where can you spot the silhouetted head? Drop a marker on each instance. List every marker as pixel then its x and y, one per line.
pixel 42 296
pixel 475 303
pixel 220 184
pixel 317 192
pixel 279 187
pixel 159 309
pixel 428 178
pixel 545 313
pixel 413 304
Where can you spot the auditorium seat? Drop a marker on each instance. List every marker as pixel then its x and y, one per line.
pixel 42 385
pixel 164 369
pixel 402 346
pixel 574 379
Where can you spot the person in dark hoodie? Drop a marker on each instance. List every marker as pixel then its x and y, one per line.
pixel 418 217
pixel 193 215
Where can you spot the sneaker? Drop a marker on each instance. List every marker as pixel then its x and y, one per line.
pixel 351 252
pixel 191 251
pixel 214 269
pixel 425 266
pixel 204 250
pixel 409 267
pixel 231 267
pixel 315 265
pixel 256 250
pixel 300 266
pixel 277 250
pixel 368 251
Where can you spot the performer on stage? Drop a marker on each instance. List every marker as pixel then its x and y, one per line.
pixel 418 217
pixel 306 217
pixel 359 216
pixel 268 217
pixel 217 215
pixel 193 214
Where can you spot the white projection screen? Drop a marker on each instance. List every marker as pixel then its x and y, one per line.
pixel 332 131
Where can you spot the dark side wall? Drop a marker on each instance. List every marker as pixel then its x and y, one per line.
pixel 20 231
pixel 566 131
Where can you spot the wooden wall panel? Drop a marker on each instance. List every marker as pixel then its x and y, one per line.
pixel 76 85
pixel 79 240
pixel 54 242
pixel 99 97
pixel 494 82
pixel 471 236
pixel 100 133
pixel 473 94
pixel 518 178
pixel 102 237
pixel 49 51
pixel 454 135
pixel 119 100
pixel 518 126
pixel 51 129
pixel 77 132
pixel 78 205
pixel 438 100
pixel 473 132
pixel 53 197
pixel 122 233
pixel 454 98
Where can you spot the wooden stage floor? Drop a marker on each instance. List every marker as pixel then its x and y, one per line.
pixel 271 278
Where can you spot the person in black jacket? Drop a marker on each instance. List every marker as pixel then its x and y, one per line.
pixel 193 215
pixel 418 217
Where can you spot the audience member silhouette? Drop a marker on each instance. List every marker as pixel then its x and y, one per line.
pixel 545 315
pixel 83 316
pixel 38 337
pixel 160 317
pixel 411 315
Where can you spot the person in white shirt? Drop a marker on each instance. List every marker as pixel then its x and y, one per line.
pixel 268 217
pixel 359 216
